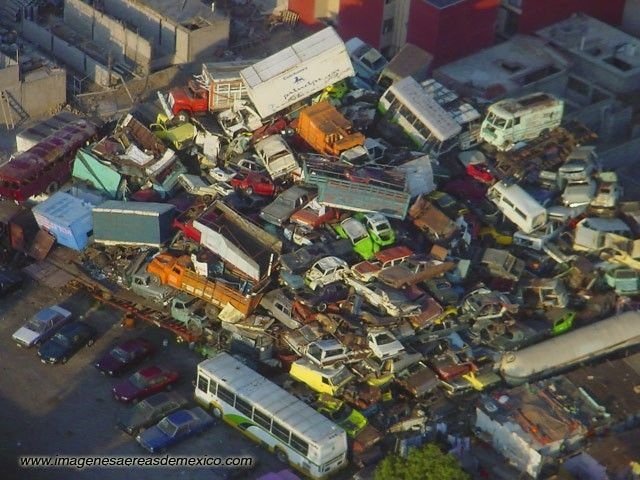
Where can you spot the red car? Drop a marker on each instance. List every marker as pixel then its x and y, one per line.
pixel 314 215
pixel 253 182
pixel 125 355
pixel 481 172
pixel 145 382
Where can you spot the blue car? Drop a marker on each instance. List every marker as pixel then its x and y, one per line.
pixel 67 341
pixel 174 428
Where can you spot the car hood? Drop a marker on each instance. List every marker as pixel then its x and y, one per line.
pixel 125 389
pixel 25 336
pixel 52 349
pixel 133 419
pixel 109 363
pixel 153 438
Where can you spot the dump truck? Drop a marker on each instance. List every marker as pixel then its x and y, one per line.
pixel 297 72
pixel 355 190
pixel 326 130
pixel 174 271
pixel 217 88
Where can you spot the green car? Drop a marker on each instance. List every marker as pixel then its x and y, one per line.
pixel 561 320
pixel 378 227
pixel 360 238
pixel 349 419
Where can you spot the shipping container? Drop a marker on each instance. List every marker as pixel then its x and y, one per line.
pixel 67 218
pixel 297 72
pixel 133 223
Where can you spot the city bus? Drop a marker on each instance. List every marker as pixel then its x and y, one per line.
pixel 269 415
pixel 46 165
pixel 432 116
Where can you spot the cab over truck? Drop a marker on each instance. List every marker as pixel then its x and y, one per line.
pixel 218 87
pixel 326 130
pixel 174 272
pixel 190 311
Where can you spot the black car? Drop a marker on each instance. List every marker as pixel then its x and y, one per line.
pixel 67 341
pixel 149 411
pixel 334 292
pixel 10 281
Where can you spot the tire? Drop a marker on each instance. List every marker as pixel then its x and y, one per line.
pixel 64 360
pixel 207 198
pixel 322 307
pixel 248 191
pixel 52 188
pixel 183 116
pixel 216 412
pixel 91 342
pixel 281 455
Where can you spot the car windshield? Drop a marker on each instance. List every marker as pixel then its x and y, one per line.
pixel 35 326
pixel 139 380
pixel 340 377
pixel 61 339
pixel 120 354
pixel 167 427
pixel 384 339
pixel 342 413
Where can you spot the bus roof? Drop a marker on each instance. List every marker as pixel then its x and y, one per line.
pixel 269 397
pixel 25 164
pixel 510 107
pixel 425 108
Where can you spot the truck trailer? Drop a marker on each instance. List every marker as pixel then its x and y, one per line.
pixel 297 72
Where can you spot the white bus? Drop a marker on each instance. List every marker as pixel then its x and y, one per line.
pixel 266 413
pixel 431 115
pixel 518 206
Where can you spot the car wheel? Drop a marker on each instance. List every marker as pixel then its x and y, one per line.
pixel 322 307
pixel 64 360
pixel 216 412
pixel 90 342
pixel 183 116
pixel 248 191
pixel 207 198
pixel 282 455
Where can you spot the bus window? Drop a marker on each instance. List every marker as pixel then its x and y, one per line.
pixel 281 432
pixel 261 419
pixel 244 407
pixel 299 445
pixel 225 395
pixel 203 383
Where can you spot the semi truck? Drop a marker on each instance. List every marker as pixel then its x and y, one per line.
pixel 349 189
pixel 218 87
pixel 174 271
pixel 297 72
pixel 326 130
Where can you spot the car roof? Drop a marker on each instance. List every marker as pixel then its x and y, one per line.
pixel 152 371
pixel 73 327
pixel 330 262
pixel 181 416
pixel 353 228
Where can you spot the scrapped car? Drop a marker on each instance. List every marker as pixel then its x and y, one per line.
pixel 323 380
pixel 145 382
pixel 276 155
pixel 332 293
pixel 379 229
pixel 390 301
pixel 222 174
pixel 608 193
pixel 314 215
pixel 480 171
pixel 149 411
pixel 253 182
pixel 484 304
pixel 280 306
pixel 237 120
pixel 412 271
pixel 42 326
pixel 347 418
pixel 579 193
pixel 124 356
pixel 502 264
pixel 286 204
pixel 417 379
pixel 451 207
pixel 325 271
pixel 67 341
pixel 362 242
pixel 174 428
pixel 383 344
pixel 301 259
pixel 439 330
pixel 444 291
pixel 386 258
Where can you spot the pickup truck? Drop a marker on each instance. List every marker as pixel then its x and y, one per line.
pixel 190 311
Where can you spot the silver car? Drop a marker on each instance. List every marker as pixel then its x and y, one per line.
pixel 42 326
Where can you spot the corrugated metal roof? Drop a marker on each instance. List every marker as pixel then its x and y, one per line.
pixel 139 208
pixel 63 209
pixel 291 56
pixel 269 397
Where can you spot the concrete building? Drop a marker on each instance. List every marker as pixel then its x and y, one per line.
pixel 527 16
pixel 534 424
pixel 527 64
pixel 112 40
pixel 441 27
pixel 600 52
pixel 29 89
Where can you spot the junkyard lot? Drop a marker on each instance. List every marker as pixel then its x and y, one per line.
pixel 69 410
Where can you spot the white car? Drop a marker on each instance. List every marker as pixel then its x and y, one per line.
pixel 325 271
pixel 237 120
pixel 383 344
pixel 41 326
pixel 579 193
pixel 222 174
pixel 277 156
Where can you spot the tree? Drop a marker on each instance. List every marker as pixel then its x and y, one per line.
pixel 424 463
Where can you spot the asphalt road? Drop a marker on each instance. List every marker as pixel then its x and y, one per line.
pixel 68 409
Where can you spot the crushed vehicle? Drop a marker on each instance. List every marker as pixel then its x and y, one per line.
pixel 286 204
pixel 325 271
pixel 359 236
pixel 276 156
pixel 502 264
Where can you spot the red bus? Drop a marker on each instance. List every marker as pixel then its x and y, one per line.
pixel 47 165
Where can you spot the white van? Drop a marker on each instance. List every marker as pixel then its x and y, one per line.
pixel 511 120
pixel 518 206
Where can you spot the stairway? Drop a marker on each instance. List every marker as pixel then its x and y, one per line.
pixel 9 108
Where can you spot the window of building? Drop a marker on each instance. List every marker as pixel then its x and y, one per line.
pixel 387 26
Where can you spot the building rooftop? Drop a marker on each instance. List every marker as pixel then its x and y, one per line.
pixel 502 69
pixel 189 13
pixel 595 40
pixel 612 384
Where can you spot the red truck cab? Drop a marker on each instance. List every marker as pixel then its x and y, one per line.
pixel 188 101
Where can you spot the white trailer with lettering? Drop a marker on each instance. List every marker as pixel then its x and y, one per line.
pixel 297 72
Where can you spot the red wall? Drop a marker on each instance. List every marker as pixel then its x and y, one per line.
pixel 453 32
pixel 537 14
pixel 361 18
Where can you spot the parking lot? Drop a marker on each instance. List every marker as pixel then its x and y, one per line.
pixel 68 409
